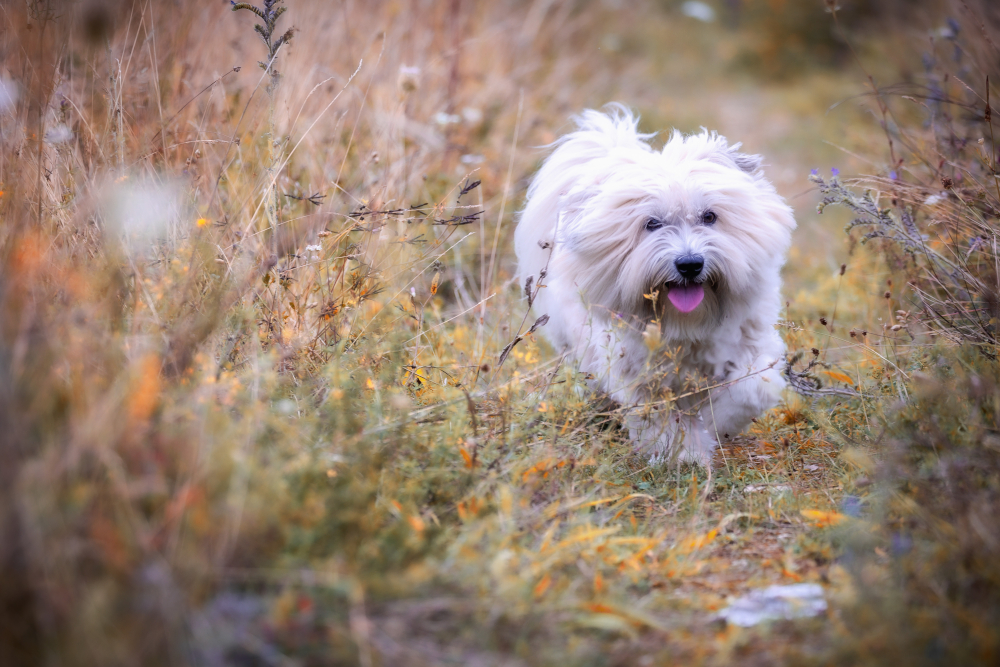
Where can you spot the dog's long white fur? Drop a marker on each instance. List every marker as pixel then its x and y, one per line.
pixel 605 275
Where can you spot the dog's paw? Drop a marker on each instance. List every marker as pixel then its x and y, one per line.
pixel 697 447
pixel 690 443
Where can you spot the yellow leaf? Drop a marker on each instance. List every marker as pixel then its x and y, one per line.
pixel 506 501
pixel 543 585
pixel 467 457
pixel 840 377
pixel 698 541
pixel 145 394
pixel 434 283
pixel 609 623
pixel 588 535
pixel 547 538
pixel 632 616
pixel 824 518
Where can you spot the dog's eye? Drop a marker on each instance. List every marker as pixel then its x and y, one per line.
pixel 709 217
pixel 653 224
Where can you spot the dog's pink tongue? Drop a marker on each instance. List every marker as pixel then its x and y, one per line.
pixel 686 298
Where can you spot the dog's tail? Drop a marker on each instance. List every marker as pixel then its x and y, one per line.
pixel 563 178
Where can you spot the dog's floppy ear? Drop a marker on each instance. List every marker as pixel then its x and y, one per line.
pixel 713 147
pixel 571 205
pixel 747 162
pixel 743 161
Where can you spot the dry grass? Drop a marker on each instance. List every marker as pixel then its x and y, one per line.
pixel 250 328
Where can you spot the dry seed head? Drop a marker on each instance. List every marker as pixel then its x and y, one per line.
pixel 652 335
pixel 409 78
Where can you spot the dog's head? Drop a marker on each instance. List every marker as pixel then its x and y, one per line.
pixel 679 233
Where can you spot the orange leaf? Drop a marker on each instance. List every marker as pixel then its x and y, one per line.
pixel 146 391
pixel 467 457
pixel 698 541
pixel 543 585
pixel 840 377
pixel 434 283
pixel 824 518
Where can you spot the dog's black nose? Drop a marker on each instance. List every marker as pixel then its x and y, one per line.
pixel 689 266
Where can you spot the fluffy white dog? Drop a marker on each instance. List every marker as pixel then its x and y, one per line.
pixel 678 251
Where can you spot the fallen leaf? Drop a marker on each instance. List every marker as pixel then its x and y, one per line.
pixel 824 518
pixel 840 377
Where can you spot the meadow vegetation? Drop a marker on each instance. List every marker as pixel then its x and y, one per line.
pixel 269 393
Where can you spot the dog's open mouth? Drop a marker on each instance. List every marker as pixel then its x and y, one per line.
pixel 686 296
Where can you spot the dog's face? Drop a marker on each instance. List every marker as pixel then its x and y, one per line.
pixel 676 234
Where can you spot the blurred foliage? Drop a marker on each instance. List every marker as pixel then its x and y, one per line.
pixel 926 588
pixel 923 557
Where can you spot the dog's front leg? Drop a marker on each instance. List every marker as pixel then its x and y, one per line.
pixel 619 358
pixel 746 393
pixel 666 433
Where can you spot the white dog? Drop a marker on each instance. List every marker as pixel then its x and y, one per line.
pixel 679 251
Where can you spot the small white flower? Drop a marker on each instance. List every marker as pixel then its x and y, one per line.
pixel 60 134
pixel 471 158
pixel 935 199
pixel 698 10
pixel 8 94
pixel 472 115
pixel 144 210
pixel 442 118
pixel 409 78
pixel 313 251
